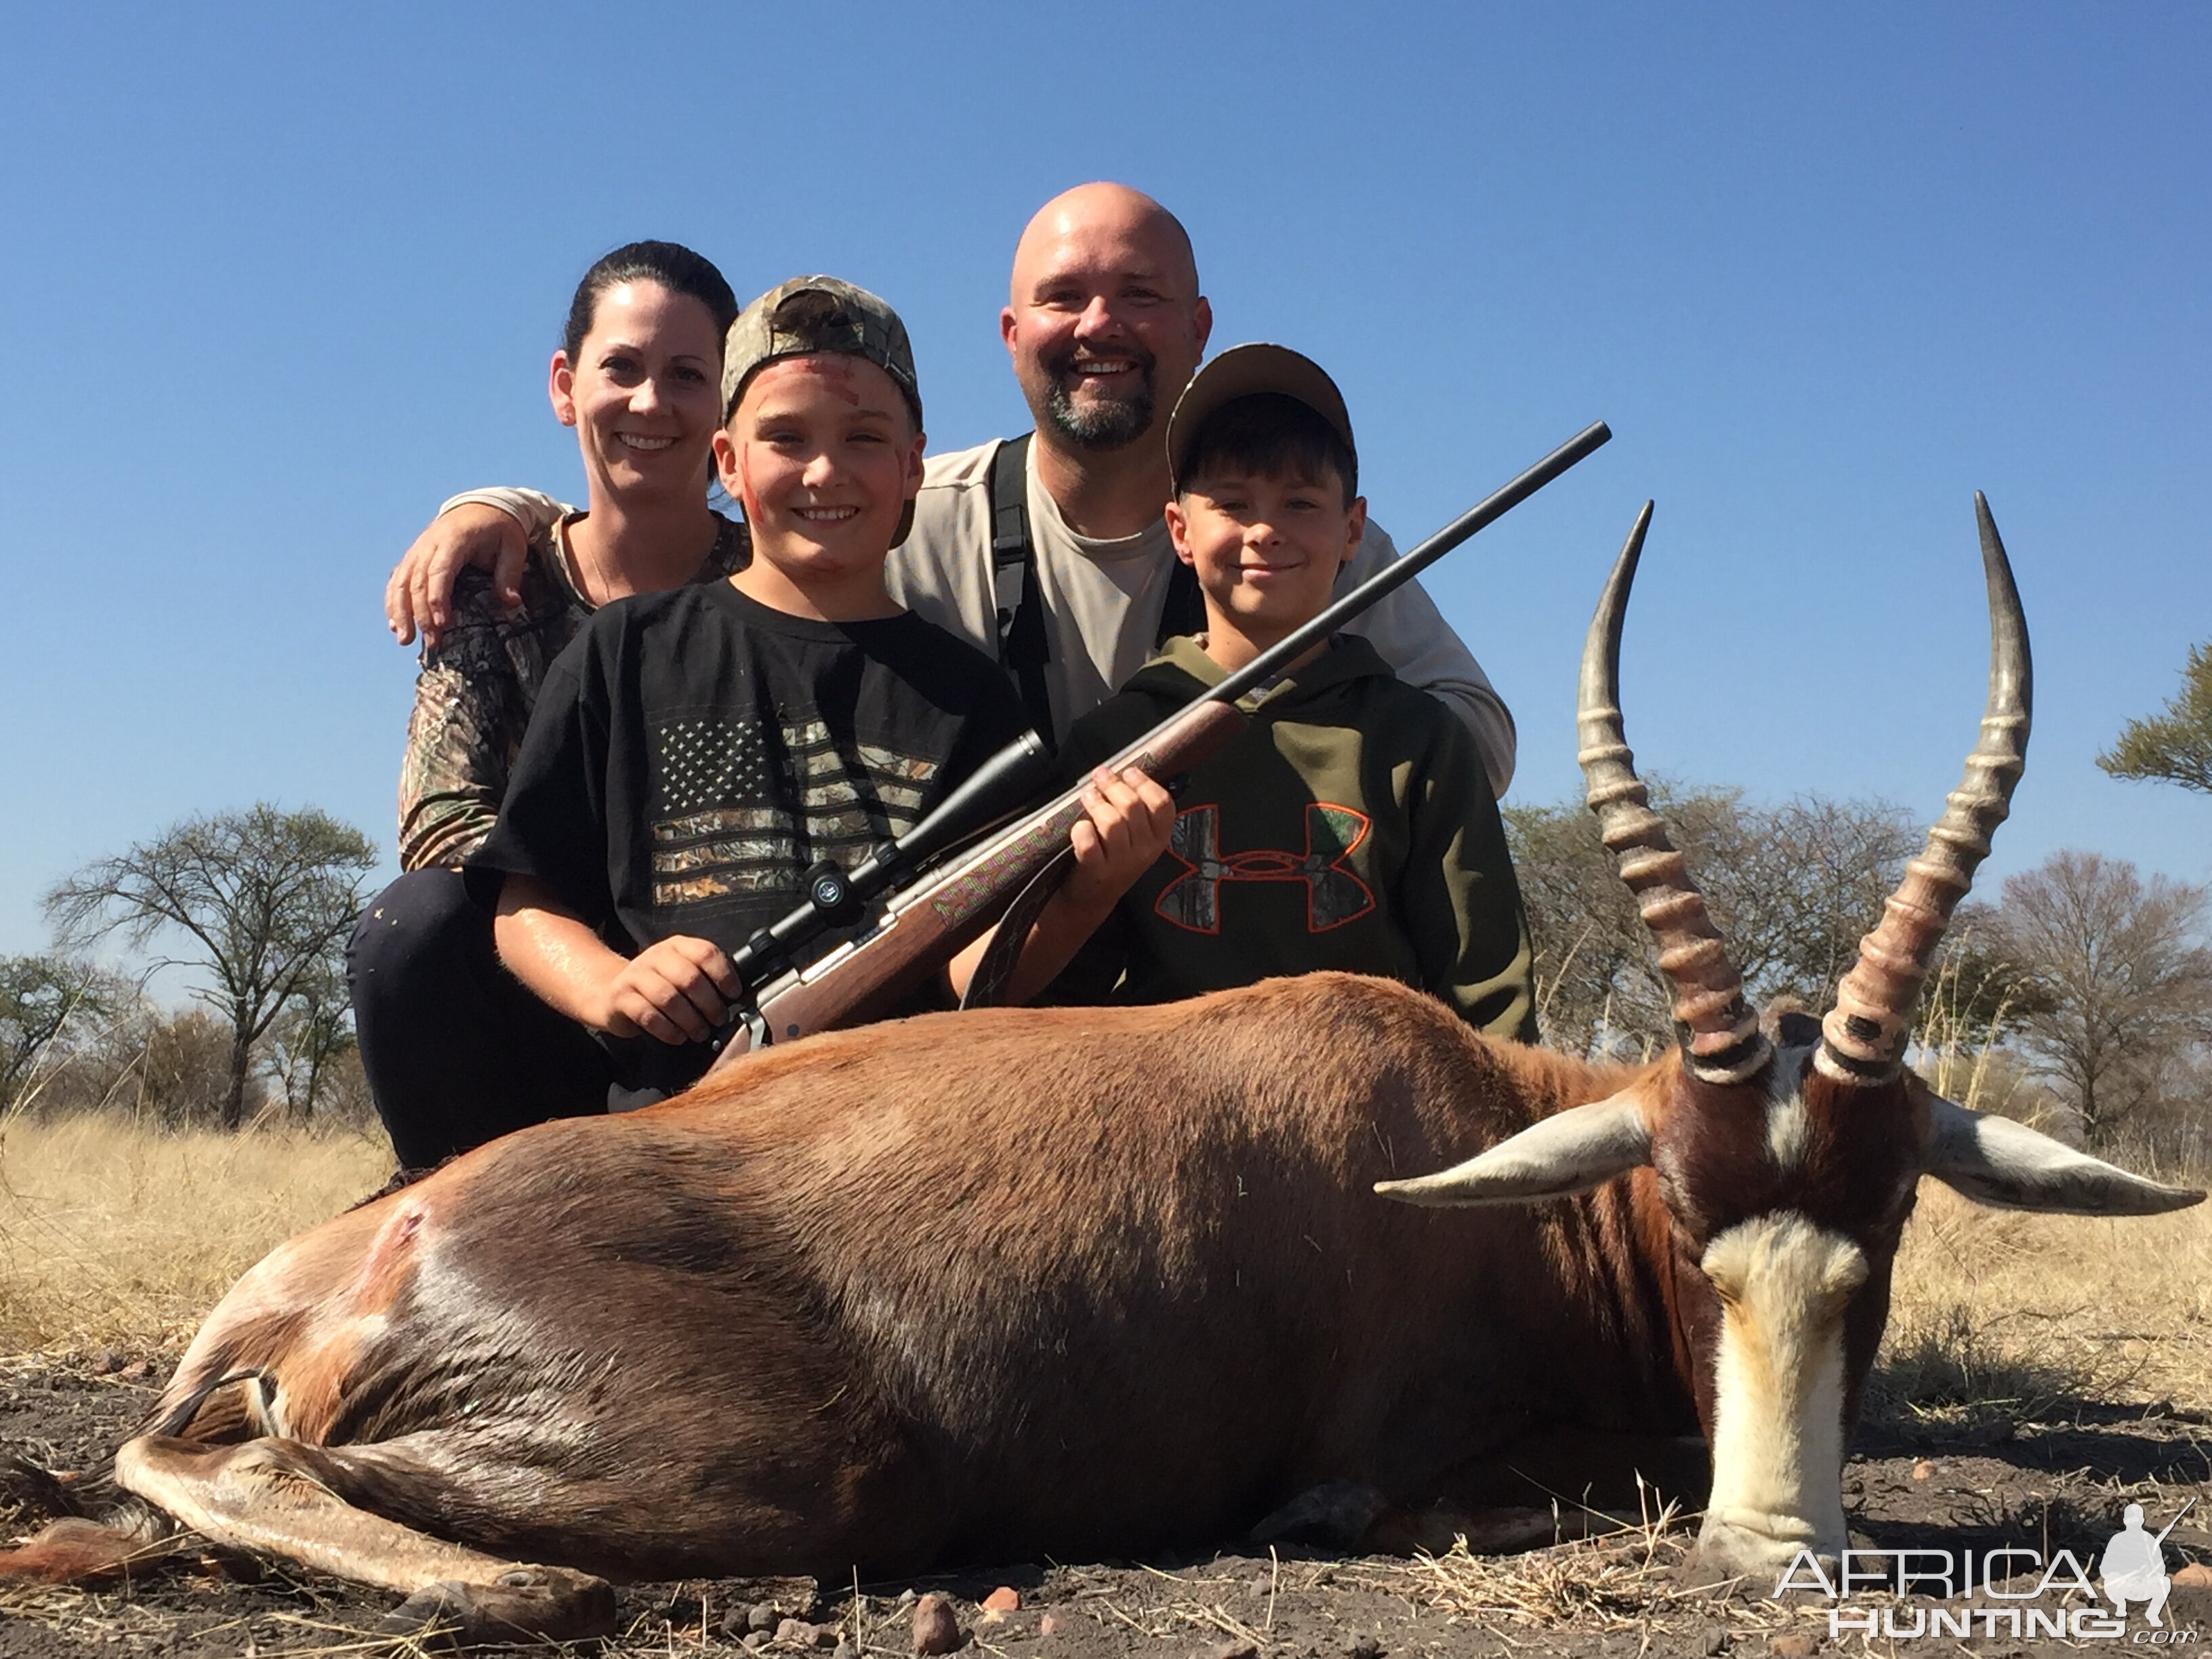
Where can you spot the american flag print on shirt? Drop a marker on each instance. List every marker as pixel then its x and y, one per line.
pixel 749 807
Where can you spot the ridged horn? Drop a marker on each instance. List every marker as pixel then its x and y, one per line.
pixel 1719 1033
pixel 1864 1036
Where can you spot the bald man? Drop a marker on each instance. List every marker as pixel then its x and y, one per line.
pixel 1105 323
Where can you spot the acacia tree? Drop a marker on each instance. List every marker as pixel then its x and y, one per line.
pixel 43 1000
pixel 2122 983
pixel 262 896
pixel 2176 746
pixel 310 1034
pixel 1790 887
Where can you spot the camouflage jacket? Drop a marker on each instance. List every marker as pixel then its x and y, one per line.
pixel 477 686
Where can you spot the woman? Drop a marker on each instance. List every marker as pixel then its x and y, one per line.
pixel 457 1052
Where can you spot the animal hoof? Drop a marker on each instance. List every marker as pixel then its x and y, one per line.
pixel 39 1494
pixel 526 1603
pixel 432 1618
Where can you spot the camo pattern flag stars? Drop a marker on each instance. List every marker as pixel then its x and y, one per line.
pixel 725 827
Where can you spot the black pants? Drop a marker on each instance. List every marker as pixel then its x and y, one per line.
pixel 457 1051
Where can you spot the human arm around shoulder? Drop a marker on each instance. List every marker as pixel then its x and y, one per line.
pixel 1422 650
pixel 492 529
pixel 1459 899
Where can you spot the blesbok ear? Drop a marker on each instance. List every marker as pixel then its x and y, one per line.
pixel 1995 1161
pixel 1582 1147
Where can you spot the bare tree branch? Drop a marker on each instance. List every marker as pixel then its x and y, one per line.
pixel 265 895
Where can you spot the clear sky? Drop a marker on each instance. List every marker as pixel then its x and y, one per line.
pixel 276 280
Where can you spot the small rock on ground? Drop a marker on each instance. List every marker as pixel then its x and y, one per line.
pixel 1791 1645
pixel 1236 1650
pixel 1004 1599
pixel 1367 1647
pixel 935 1630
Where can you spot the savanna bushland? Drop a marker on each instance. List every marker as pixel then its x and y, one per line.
pixel 2039 1372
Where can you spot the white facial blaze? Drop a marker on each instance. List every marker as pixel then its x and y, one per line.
pixel 1777 1437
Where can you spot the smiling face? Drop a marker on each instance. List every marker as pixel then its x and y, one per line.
pixel 1105 319
pixel 823 454
pixel 1267 548
pixel 642 392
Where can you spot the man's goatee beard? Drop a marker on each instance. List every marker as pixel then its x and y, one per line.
pixel 1114 423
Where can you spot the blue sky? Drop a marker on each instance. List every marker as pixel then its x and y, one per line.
pixel 277 280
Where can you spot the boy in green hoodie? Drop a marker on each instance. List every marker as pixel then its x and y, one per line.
pixel 1351 825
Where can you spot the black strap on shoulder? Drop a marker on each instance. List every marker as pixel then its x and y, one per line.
pixel 1024 646
pixel 1024 649
pixel 1185 610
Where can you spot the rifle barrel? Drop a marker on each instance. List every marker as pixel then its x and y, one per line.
pixel 2176 1521
pixel 1401 571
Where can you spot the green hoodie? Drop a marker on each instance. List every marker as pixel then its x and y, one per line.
pixel 1351 826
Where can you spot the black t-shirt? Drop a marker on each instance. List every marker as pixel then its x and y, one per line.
pixel 692 753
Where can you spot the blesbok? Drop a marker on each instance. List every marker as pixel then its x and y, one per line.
pixel 1103 1281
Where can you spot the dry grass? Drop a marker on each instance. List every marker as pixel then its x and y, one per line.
pixel 1998 1311
pixel 116 1236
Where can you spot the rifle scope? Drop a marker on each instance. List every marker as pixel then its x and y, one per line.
pixel 838 897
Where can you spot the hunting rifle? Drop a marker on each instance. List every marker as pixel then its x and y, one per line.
pixel 936 913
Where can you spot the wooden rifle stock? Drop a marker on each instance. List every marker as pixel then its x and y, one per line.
pixel 929 923
pixel 932 921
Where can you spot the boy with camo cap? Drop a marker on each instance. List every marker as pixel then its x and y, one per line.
pixel 694 752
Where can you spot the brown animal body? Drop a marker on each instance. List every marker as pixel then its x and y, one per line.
pixel 1080 1282
pixel 861 1303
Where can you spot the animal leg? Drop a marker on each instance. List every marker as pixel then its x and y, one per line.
pixel 278 1496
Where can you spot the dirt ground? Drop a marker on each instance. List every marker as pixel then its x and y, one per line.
pixel 2055 1478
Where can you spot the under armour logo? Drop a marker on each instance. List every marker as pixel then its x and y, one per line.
pixel 1334 894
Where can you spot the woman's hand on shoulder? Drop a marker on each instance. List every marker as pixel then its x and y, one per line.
pixel 678 990
pixel 419 597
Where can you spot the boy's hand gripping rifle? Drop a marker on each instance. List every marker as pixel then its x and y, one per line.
pixel 933 913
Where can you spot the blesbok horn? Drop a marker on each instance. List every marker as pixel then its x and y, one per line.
pixel 1864 1036
pixel 1719 1033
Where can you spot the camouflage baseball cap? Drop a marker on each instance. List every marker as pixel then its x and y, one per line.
pixel 842 318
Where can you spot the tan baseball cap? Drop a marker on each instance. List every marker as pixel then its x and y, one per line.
pixel 851 320
pixel 1241 372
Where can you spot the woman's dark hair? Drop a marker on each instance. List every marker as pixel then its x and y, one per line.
pixel 671 265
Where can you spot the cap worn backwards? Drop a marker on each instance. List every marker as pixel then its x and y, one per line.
pixel 843 319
